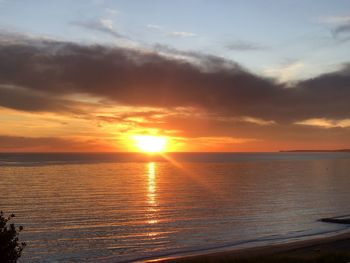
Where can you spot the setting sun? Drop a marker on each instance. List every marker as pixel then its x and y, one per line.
pixel 150 143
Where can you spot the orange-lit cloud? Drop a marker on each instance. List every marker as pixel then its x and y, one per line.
pixel 326 123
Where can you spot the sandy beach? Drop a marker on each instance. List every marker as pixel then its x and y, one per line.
pixel 325 249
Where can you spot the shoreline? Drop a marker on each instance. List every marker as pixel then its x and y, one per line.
pixel 336 244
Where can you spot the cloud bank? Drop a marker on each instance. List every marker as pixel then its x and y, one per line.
pixel 37 76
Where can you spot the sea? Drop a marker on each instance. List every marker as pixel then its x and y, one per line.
pixel 124 207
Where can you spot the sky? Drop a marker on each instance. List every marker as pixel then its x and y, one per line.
pixel 207 75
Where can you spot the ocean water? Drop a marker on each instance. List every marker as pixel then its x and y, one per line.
pixel 125 207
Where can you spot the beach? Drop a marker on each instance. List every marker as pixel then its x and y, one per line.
pixel 325 249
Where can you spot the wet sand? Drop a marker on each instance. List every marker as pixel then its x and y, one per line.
pixel 325 249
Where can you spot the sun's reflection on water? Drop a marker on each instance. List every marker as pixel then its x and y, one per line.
pixel 152 193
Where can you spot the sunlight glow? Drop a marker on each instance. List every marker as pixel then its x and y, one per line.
pixel 150 144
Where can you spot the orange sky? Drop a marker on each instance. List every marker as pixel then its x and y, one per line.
pixel 185 129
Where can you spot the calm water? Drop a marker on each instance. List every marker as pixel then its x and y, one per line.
pixel 105 207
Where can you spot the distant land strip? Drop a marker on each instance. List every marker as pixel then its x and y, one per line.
pixel 339 150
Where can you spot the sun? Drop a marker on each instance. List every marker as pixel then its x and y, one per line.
pixel 150 143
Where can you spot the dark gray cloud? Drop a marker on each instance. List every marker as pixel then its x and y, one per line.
pixel 29 100
pixel 341 29
pixel 341 32
pixel 141 78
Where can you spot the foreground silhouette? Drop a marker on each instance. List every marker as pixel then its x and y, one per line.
pixel 10 247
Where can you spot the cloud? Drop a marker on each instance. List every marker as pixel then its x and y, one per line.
pixel 343 29
pixel 51 144
pixel 153 26
pixel 161 29
pixel 33 101
pixel 102 25
pixel 107 23
pixel 17 38
pixel 341 26
pixel 112 11
pixel 286 72
pixel 181 34
pixel 211 141
pixel 144 78
pixel 336 19
pixel 258 121
pixel 134 117
pixel 325 123
pixel 243 46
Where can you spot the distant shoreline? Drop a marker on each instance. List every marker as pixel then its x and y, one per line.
pixel 298 151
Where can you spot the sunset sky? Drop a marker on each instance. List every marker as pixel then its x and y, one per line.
pixel 88 75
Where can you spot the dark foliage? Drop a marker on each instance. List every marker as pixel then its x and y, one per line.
pixel 10 247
